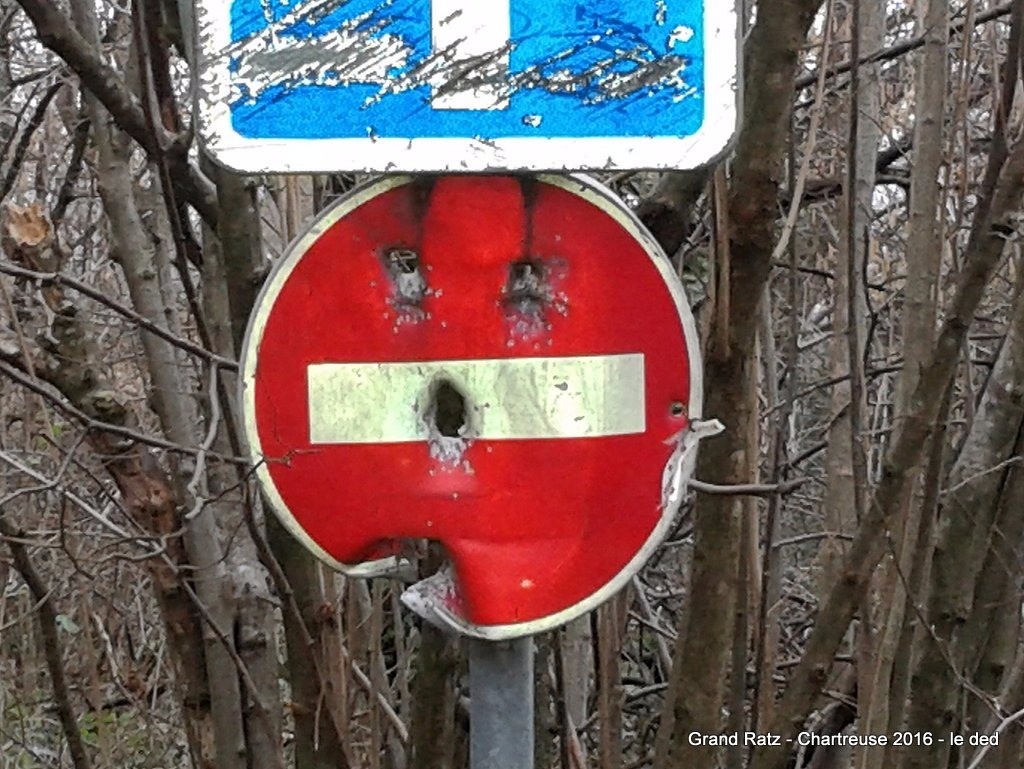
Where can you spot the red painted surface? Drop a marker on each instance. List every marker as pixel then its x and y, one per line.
pixel 539 525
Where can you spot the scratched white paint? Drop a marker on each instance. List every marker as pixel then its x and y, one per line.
pixel 506 398
pixel 680 35
pixel 471 30
pixel 660 12
pixel 341 56
pixel 468 69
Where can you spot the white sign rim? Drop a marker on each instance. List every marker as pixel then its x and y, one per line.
pixel 594 193
pixel 454 155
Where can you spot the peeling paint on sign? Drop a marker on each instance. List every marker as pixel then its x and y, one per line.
pixel 443 85
pixel 514 399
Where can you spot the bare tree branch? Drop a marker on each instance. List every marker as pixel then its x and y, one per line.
pixel 61 279
pixel 52 646
pixel 58 34
pixel 26 137
pixel 747 489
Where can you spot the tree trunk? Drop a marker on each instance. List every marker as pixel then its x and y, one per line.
pixel 888 600
pixel 969 519
pixel 705 638
pixel 1002 188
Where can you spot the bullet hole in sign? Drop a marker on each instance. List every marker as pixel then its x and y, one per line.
pixel 447 420
pixel 527 290
pixel 448 409
pixel 403 266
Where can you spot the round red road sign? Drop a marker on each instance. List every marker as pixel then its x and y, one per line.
pixel 504 365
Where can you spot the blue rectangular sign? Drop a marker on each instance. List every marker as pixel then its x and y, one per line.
pixel 451 85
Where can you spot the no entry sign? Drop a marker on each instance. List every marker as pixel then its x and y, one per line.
pixel 504 365
pixel 466 85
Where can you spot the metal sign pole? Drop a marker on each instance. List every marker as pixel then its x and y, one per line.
pixel 501 704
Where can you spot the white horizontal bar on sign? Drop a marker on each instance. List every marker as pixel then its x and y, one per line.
pixel 505 398
pixel 471 52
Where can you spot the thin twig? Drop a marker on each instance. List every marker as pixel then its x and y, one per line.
pixel 747 489
pixel 811 537
pixel 812 136
pixel 36 386
pixel 26 138
pixel 906 46
pixel 211 435
pixel 60 279
pixel 1003 725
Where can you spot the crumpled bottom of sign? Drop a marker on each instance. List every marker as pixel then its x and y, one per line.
pixel 436 598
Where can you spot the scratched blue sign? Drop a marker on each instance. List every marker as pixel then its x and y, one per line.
pixel 422 85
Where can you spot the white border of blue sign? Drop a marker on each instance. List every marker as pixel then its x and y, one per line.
pixel 455 155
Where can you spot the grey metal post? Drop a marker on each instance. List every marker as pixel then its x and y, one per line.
pixel 501 704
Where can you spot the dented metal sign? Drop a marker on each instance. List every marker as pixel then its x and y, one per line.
pixel 504 365
pixel 466 85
